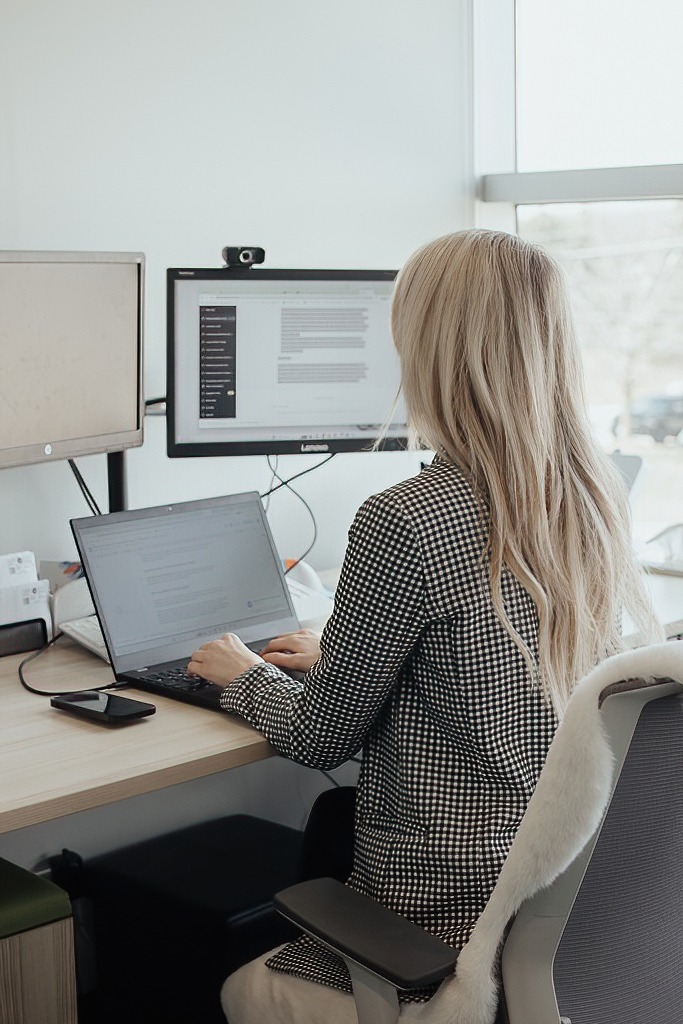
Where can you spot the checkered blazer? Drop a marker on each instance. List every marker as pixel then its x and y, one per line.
pixel 417 671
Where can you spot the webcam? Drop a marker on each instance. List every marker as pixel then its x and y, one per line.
pixel 243 255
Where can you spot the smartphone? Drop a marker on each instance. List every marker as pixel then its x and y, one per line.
pixel 103 707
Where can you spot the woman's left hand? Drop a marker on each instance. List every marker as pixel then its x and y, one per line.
pixel 221 661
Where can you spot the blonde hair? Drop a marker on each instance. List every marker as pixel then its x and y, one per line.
pixel 492 380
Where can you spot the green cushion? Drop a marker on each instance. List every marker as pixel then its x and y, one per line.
pixel 28 901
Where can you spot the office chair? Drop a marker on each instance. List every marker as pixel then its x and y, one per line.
pixel 593 886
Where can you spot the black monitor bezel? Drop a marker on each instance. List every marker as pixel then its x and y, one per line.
pixel 176 449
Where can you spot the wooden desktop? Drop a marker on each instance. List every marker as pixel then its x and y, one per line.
pixel 53 763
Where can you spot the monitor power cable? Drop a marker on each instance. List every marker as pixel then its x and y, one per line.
pixel 286 483
pixel 269 493
pixel 153 406
pixel 85 490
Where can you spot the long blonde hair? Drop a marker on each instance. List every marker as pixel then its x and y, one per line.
pixel 492 379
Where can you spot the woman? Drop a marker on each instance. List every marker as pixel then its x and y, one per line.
pixel 471 600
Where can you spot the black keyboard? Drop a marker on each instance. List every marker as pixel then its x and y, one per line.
pixel 173 680
pixel 177 683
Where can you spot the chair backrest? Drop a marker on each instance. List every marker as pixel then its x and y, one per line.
pixel 621 954
pixel 604 942
pixel 600 835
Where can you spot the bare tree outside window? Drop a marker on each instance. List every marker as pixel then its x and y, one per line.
pixel 624 264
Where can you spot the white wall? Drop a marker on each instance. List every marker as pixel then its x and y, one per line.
pixel 332 134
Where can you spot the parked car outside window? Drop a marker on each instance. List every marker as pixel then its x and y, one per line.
pixel 659 416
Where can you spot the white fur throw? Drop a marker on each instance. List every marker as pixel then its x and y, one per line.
pixel 579 767
pixel 552 833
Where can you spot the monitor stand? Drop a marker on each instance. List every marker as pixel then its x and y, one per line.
pixel 116 478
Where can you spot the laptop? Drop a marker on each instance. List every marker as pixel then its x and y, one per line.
pixel 168 579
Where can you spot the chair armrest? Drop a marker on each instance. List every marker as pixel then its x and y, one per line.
pixel 356 926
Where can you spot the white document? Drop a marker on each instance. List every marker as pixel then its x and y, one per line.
pixel 19 567
pixel 21 602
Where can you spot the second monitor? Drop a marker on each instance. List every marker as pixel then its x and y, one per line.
pixel 280 361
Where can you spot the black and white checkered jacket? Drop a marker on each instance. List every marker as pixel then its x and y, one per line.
pixel 417 670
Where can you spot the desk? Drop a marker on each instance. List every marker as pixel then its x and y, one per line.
pixel 53 764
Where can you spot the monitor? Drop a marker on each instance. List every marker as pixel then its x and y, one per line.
pixel 273 362
pixel 71 343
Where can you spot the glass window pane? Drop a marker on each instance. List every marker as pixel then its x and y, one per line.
pixel 599 84
pixel 624 264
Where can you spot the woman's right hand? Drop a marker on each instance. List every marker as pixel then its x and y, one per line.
pixel 298 651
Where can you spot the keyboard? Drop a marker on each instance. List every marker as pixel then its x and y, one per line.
pixel 174 681
pixel 86 631
pixel 168 680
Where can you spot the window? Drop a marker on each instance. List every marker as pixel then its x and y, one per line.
pixel 589 168
pixel 624 265
pixel 598 83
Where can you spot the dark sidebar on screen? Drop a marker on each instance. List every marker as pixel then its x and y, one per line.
pixel 217 362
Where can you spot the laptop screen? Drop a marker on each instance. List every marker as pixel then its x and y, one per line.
pixel 166 580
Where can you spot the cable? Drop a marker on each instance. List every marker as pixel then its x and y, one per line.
pixel 285 483
pixel 85 490
pixel 87 494
pixel 354 760
pixel 57 693
pixel 274 477
pixel 315 531
pixel 155 406
pixel 330 778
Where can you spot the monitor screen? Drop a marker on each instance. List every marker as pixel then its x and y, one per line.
pixel 281 361
pixel 71 343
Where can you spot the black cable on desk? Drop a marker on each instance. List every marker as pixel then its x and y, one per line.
pixel 58 693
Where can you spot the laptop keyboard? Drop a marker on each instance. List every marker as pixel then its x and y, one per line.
pixel 174 681
pixel 177 679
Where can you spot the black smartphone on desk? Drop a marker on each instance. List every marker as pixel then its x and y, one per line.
pixel 103 707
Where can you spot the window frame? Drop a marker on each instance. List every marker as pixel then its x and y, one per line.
pixel 500 186
pixel 599 184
